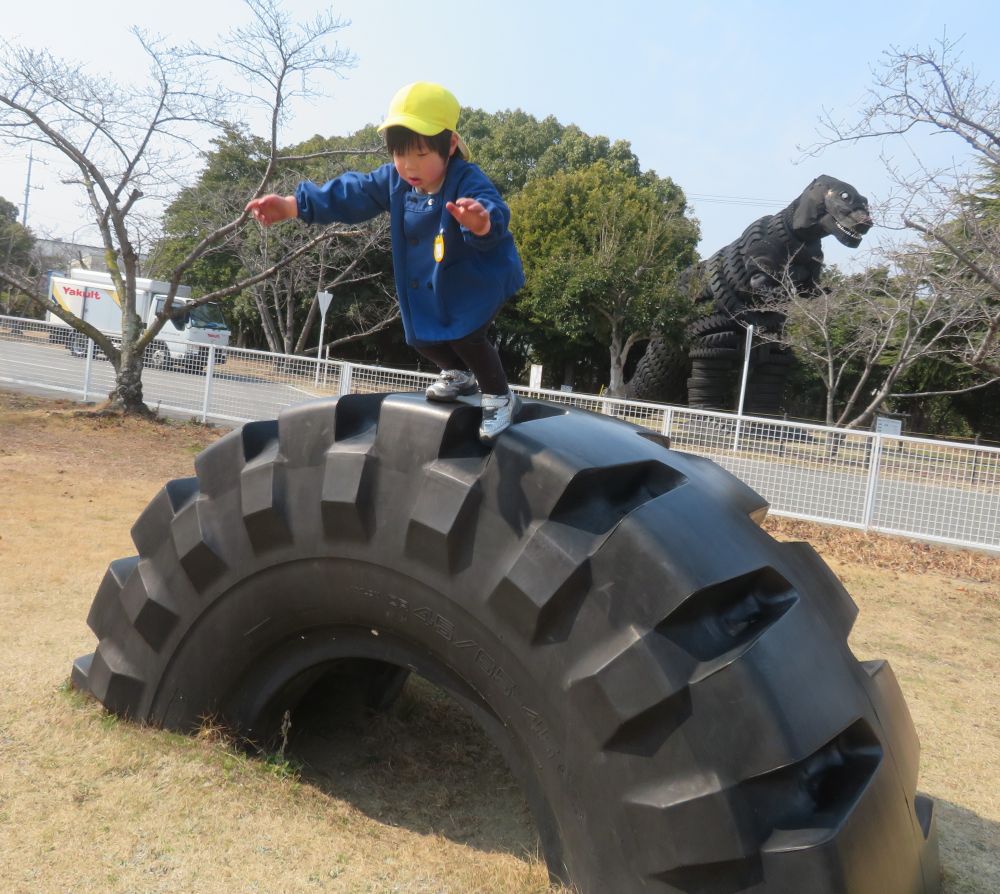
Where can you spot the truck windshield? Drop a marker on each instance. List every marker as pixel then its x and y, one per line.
pixel 207 316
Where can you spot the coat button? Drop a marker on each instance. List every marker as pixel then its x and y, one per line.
pixel 414 284
pixel 414 241
pixel 430 285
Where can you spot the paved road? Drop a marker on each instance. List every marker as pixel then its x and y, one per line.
pixel 968 513
pixel 232 399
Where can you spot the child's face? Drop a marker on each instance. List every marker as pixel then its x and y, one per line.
pixel 421 167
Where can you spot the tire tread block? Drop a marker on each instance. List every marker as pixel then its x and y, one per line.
pixel 347 482
pixel 629 694
pixel 152 527
pixel 890 708
pixel 107 601
pixel 113 680
pixel 262 499
pixel 802 561
pixel 443 516
pixel 218 466
pixel 864 847
pixel 596 500
pixel 732 613
pixel 193 543
pixel 307 430
pixel 182 492
pixel 79 676
pixel 544 588
pixel 804 804
pixel 413 431
pixel 529 472
pixel 149 606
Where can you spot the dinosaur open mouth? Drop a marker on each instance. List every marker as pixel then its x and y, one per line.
pixel 847 231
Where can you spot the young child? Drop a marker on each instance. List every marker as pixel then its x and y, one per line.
pixel 453 255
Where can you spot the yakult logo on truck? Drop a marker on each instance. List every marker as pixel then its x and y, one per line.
pixel 82 293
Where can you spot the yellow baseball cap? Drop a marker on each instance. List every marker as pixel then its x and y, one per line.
pixel 426 109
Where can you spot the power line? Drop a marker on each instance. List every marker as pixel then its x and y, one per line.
pixel 710 198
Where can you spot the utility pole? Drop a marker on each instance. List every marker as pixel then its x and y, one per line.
pixel 28 187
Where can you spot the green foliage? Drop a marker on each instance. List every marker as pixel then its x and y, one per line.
pixel 984 203
pixel 513 147
pixel 601 249
pixel 16 253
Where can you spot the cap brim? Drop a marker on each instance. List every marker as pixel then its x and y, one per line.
pixel 419 127
pixel 411 123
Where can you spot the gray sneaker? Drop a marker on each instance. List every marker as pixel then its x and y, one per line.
pixel 452 384
pixel 498 414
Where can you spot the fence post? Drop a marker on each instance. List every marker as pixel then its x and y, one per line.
pixel 873 469
pixel 346 375
pixel 668 421
pixel 209 370
pixel 86 369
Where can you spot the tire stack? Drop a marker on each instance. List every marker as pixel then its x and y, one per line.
pixel 672 686
pixel 715 358
pixel 769 368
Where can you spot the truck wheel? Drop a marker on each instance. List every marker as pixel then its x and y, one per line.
pixel 672 686
pixel 158 356
pixel 78 344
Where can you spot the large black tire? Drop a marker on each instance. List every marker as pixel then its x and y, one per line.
pixel 673 686
pixel 659 374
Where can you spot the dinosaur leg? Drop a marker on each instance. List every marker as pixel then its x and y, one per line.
pixel 660 373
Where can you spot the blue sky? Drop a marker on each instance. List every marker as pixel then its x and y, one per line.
pixel 716 95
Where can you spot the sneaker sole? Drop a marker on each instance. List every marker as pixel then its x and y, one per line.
pixel 465 392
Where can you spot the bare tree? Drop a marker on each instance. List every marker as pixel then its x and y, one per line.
pixel 956 248
pixel 130 146
pixel 339 266
pixel 862 334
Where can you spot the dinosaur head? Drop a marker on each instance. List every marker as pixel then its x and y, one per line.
pixel 831 207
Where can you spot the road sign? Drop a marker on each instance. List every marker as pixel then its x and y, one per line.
pixel 324 299
pixel 886 425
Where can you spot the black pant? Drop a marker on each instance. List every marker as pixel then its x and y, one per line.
pixel 473 352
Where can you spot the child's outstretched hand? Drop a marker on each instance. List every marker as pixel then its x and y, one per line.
pixel 271 209
pixel 471 215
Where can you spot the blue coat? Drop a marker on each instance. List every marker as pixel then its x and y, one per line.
pixel 438 301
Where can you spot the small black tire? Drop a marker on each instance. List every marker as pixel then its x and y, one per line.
pixel 672 686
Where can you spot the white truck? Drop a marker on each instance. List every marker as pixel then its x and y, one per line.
pixel 185 339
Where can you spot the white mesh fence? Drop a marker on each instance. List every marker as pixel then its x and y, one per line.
pixel 912 486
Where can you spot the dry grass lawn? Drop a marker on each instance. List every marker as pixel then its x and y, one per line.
pixel 415 801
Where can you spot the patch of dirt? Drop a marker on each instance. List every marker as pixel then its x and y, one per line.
pixel 60 433
pixel 891 553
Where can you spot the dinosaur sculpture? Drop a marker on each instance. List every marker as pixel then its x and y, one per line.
pixel 736 286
